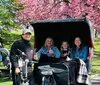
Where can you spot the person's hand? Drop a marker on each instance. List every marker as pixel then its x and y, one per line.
pixel 65 54
pixel 35 57
pixel 17 70
pixel 51 51
pixel 68 59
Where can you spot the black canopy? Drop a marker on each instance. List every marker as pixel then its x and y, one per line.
pixel 59 30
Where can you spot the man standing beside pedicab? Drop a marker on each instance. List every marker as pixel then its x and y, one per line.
pixel 24 46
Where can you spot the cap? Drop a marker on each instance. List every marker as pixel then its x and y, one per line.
pixel 26 31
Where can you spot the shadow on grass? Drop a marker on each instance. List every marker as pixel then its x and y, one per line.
pixel 97 53
pixel 4 79
pixel 97 39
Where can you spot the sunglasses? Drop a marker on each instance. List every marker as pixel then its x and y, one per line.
pixel 27 34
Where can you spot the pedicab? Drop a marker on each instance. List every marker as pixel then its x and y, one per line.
pixel 60 30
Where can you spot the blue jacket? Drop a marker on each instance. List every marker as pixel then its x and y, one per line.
pixel 83 54
pixel 44 50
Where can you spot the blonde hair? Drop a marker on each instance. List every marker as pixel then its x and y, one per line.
pixel 62 44
pixel 47 40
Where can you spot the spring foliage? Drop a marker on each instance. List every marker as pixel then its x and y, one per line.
pixel 60 9
pixel 8 9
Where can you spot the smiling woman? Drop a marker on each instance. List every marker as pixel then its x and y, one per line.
pixel 49 49
pixel 79 50
pixel 26 34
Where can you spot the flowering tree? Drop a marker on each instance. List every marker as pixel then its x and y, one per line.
pixel 60 9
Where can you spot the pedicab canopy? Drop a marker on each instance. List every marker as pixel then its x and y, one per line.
pixel 64 29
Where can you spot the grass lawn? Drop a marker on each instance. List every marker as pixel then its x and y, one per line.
pixel 96 65
pixel 5 81
pixel 96 58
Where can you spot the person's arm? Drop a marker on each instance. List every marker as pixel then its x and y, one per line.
pixel 85 53
pixel 90 53
pixel 56 52
pixel 13 53
pixel 13 57
pixel 39 52
pixel 72 55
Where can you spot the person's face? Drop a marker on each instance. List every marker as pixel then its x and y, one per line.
pixel 77 42
pixel 64 45
pixel 27 36
pixel 49 42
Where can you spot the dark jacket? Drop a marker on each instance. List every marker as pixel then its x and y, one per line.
pixel 25 47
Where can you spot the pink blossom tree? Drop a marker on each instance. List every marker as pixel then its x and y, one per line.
pixel 60 9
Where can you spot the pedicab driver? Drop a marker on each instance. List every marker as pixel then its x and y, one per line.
pixel 24 45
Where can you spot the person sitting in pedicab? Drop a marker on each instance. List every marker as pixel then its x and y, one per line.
pixel 48 51
pixel 79 51
pixel 65 51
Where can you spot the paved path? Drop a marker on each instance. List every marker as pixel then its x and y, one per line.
pixel 95 79
pixel 95 82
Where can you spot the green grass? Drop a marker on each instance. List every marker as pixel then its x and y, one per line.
pixel 96 58
pixel 96 65
pixel 2 66
pixel 5 81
